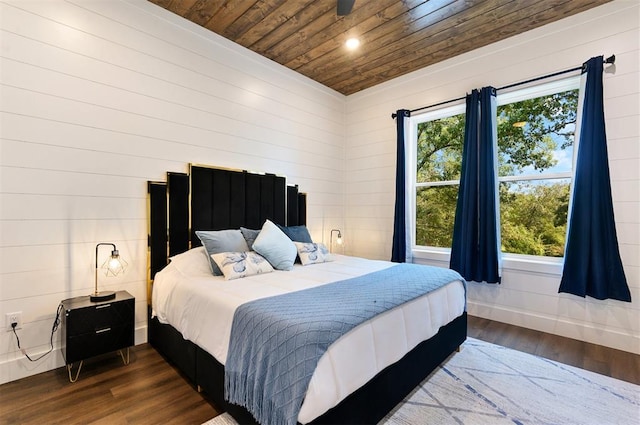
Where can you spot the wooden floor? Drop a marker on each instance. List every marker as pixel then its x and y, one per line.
pixel 150 391
pixel 596 358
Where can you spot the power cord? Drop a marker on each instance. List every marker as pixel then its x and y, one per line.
pixel 54 328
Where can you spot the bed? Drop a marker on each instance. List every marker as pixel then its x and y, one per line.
pixel 362 375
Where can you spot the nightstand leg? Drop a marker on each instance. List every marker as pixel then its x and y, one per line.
pixel 69 367
pixel 125 361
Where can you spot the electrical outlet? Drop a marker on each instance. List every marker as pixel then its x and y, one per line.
pixel 15 317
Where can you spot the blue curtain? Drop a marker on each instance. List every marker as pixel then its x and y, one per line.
pixel 399 247
pixel 465 232
pixel 592 264
pixel 475 250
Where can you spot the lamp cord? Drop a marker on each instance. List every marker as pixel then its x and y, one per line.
pixel 54 328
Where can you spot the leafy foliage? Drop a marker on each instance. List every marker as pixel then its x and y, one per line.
pixel 435 210
pixel 533 144
pixel 440 149
pixel 533 215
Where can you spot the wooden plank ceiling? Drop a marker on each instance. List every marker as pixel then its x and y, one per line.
pixel 396 36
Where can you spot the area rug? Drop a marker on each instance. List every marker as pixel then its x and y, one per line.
pixel 489 384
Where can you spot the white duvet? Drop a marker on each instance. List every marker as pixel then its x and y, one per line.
pixel 201 306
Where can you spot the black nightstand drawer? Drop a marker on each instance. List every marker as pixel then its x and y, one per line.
pixel 99 342
pixel 94 318
pixel 93 328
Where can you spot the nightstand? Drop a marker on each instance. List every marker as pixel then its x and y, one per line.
pixel 93 328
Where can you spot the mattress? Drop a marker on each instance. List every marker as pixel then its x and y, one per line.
pixel 201 306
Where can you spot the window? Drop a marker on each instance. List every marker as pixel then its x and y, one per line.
pixel 535 129
pixel 439 138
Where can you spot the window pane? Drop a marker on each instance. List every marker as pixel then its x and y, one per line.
pixel 439 153
pixel 533 216
pixel 435 210
pixel 536 135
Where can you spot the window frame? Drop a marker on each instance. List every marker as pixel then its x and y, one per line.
pixel 412 160
pixel 533 263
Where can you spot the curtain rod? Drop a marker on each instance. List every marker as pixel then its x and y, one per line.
pixel 611 59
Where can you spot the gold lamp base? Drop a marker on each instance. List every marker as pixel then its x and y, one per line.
pixel 102 296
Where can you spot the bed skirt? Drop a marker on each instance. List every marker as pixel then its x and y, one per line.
pixel 367 405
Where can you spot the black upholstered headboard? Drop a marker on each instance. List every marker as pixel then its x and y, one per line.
pixel 209 198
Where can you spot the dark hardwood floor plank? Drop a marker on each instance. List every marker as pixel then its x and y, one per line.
pixel 623 366
pixel 147 391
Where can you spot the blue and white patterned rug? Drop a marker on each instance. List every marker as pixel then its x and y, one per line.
pixel 489 384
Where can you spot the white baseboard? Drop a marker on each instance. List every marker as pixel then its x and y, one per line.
pixel 15 366
pixel 557 326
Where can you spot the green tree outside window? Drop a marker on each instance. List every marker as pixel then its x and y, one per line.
pixel 535 150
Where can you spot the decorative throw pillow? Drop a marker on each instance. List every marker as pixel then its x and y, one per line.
pixel 193 261
pixel 219 241
pixel 312 253
pixel 235 265
pixel 275 246
pixel 297 233
pixel 250 235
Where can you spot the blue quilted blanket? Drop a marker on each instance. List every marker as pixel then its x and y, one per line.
pixel 277 342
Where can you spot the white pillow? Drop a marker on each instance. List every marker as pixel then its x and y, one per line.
pixel 312 253
pixel 275 246
pixel 235 265
pixel 193 261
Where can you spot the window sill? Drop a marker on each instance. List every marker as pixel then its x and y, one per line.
pixel 510 262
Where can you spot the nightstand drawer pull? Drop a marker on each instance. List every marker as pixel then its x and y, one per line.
pixel 103 306
pixel 99 331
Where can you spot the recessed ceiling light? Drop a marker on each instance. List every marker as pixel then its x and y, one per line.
pixel 352 43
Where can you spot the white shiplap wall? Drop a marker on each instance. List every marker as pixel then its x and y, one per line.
pixel 99 96
pixel 526 298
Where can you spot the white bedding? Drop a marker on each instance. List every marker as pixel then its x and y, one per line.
pixel 201 306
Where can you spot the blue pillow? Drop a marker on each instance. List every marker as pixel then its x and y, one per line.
pixel 219 241
pixel 275 246
pixel 250 236
pixel 297 233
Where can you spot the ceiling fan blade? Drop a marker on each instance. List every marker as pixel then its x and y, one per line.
pixel 344 7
